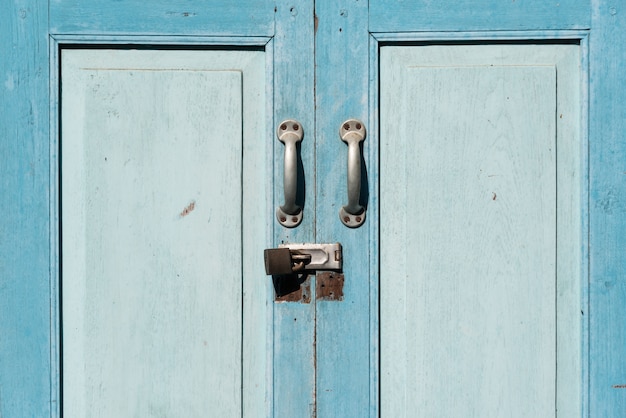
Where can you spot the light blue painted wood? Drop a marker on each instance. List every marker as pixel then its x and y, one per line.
pixel 154 243
pixel 343 333
pixel 374 234
pixel 28 374
pixel 556 36
pixel 480 256
pixel 293 89
pixel 607 157
pixel 480 37
pixel 25 370
pixel 469 15
pixel 182 41
pixel 162 17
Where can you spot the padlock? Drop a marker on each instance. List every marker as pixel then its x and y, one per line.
pixel 299 258
pixel 278 261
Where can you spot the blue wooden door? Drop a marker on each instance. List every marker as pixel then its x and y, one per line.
pixel 465 292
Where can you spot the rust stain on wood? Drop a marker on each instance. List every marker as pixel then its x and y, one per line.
pixel 292 288
pixel 329 286
pixel 190 207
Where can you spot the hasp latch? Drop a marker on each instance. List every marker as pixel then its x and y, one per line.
pixel 296 258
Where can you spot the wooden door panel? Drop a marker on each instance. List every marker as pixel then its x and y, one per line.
pixel 345 367
pixel 469 15
pixel 480 284
pixel 162 17
pixel 155 251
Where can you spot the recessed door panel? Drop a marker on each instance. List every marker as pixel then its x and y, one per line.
pixel 480 231
pixel 156 251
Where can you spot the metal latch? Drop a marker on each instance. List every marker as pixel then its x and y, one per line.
pixel 295 258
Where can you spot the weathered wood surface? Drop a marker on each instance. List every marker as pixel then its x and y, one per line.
pixel 156 254
pixel 470 15
pixel 29 263
pixel 344 350
pixel 293 85
pixel 162 17
pixel 607 206
pixel 480 291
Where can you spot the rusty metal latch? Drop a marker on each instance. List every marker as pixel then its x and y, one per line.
pixel 296 258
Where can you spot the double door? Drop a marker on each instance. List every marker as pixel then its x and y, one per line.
pixel 468 279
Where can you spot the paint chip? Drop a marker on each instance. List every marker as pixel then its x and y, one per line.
pixel 188 209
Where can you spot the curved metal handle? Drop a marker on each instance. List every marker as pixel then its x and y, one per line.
pixel 290 132
pixel 352 132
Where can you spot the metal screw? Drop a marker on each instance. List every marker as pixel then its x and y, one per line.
pixel 358 219
pixel 358 126
pixel 346 126
pixel 283 219
pixel 294 219
pixel 346 219
pixel 295 127
pixel 283 127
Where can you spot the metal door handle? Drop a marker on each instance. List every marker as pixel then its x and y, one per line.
pixel 290 132
pixel 352 132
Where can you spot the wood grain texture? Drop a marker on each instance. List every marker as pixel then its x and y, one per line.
pixel 26 380
pixel 162 17
pixel 473 231
pixel 469 15
pixel 29 382
pixel 293 87
pixel 343 334
pixel 607 157
pixel 154 265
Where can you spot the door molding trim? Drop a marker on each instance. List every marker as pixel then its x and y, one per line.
pixel 486 36
pixel 56 43
pixel 58 40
